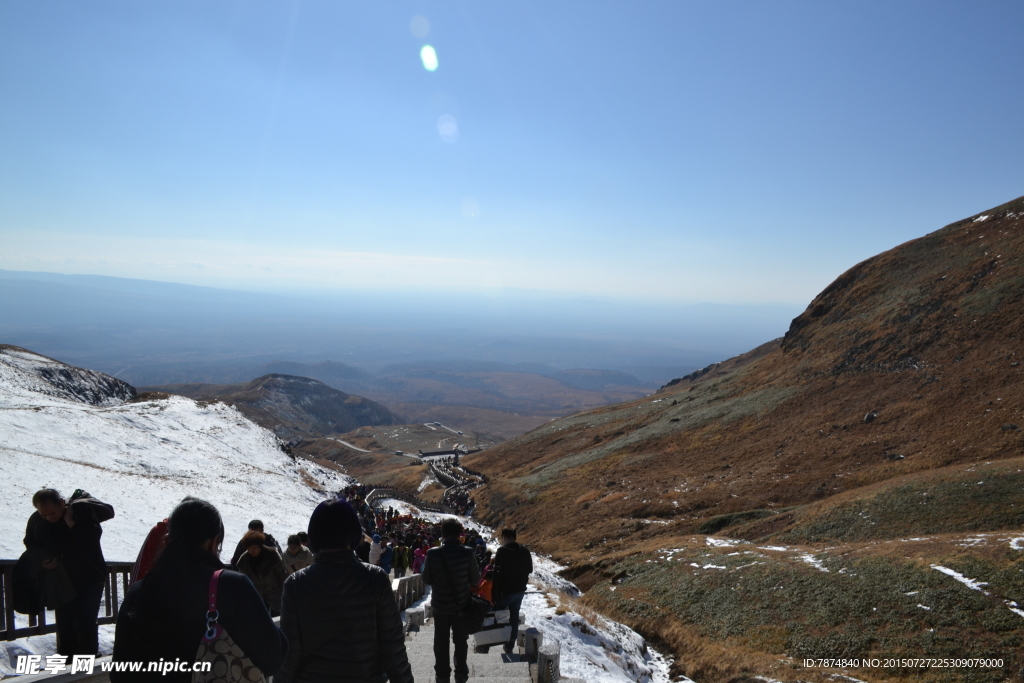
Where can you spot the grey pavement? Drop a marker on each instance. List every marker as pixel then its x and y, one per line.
pixel 493 667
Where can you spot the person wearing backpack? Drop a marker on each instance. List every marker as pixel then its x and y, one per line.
pixel 165 615
pixel 513 565
pixel 65 537
pixel 452 573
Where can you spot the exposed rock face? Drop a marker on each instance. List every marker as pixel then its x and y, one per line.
pixel 292 407
pixel 51 377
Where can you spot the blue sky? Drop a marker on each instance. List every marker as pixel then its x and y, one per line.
pixel 723 152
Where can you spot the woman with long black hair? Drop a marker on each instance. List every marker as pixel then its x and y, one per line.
pixel 164 616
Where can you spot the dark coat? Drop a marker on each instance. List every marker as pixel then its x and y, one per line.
pixel 363 551
pixel 268 540
pixel 177 626
pixel 453 560
pixel 293 563
pixel 267 573
pixel 512 567
pixel 342 624
pixel 401 557
pixel 77 548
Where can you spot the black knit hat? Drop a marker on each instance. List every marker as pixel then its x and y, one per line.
pixel 334 524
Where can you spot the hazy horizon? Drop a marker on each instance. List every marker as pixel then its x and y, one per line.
pixel 121 325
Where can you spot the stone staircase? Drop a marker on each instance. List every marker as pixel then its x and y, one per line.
pixel 492 667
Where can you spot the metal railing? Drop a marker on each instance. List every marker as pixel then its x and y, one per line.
pixel 37 623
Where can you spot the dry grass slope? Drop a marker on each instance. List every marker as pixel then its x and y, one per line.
pixel 891 409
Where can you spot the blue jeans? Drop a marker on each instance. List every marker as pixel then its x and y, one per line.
pixel 512 603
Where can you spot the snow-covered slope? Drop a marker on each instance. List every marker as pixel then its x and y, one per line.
pixel 35 374
pixel 142 457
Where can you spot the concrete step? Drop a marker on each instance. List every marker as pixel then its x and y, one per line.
pixel 491 667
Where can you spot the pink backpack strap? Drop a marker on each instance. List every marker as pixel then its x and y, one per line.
pixel 213 628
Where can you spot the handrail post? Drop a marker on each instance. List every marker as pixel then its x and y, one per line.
pixel 8 601
pixel 113 590
pixel 106 594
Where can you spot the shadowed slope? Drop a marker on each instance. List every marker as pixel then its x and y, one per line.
pixel 291 406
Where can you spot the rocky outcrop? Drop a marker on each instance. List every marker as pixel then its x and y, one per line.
pixel 53 378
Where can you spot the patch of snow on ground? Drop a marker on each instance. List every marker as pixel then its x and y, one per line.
pixel 972 541
pixel 977 585
pixel 722 542
pixel 428 479
pixel 593 648
pixel 970 583
pixel 773 547
pixel 1017 543
pixel 545 573
pixel 669 553
pixel 980 219
pixel 841 677
pixel 813 561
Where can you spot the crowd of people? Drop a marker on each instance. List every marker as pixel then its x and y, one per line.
pixel 331 586
pixel 459 482
pixel 395 541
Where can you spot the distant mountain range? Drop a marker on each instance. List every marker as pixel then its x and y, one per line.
pixel 497 399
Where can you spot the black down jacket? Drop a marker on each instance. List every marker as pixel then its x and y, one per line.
pixel 452 560
pixel 342 624
pixel 512 567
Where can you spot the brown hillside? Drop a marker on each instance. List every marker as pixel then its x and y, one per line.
pixel 907 362
pixel 876 445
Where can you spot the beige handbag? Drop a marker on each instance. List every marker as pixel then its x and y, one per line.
pixel 228 664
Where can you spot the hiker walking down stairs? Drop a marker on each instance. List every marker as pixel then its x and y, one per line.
pixel 451 571
pixel 339 613
pixel 513 565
